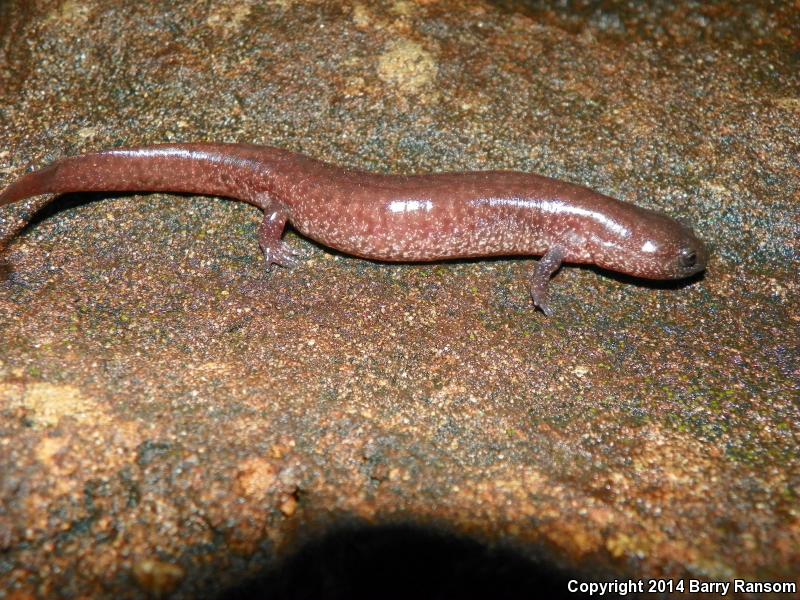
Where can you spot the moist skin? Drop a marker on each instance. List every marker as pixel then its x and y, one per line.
pixel 396 218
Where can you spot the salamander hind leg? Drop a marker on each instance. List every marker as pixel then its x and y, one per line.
pixel 540 278
pixel 276 251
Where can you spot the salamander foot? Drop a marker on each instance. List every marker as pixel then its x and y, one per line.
pixel 540 278
pixel 280 254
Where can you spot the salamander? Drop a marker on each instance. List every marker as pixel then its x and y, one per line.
pixel 396 218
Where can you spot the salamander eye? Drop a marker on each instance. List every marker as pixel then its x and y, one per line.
pixel 688 258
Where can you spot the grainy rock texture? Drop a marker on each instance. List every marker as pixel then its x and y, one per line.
pixel 173 418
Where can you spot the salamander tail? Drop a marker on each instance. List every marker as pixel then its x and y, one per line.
pixel 43 181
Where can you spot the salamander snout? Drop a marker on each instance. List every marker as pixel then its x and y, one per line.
pixel 690 257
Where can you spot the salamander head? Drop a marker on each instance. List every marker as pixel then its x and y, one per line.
pixel 648 244
pixel 663 248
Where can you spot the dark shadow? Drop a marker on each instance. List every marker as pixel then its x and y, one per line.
pixel 41 213
pixel 409 562
pixel 655 284
pixel 6 272
pixel 52 207
pixel 64 202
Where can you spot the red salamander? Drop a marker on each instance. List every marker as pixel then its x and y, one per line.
pixel 395 217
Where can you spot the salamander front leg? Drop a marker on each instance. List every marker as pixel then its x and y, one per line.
pixel 540 277
pixel 276 251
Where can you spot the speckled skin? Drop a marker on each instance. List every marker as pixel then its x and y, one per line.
pixel 395 217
